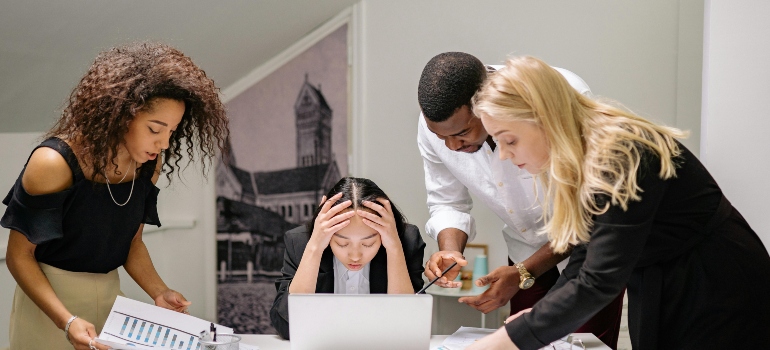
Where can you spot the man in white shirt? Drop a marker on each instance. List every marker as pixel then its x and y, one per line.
pixel 461 159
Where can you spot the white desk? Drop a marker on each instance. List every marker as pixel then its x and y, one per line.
pixel 454 294
pixel 274 342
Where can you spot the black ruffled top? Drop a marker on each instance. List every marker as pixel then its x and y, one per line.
pixel 81 229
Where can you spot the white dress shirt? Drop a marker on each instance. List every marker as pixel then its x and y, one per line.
pixel 511 193
pixel 350 282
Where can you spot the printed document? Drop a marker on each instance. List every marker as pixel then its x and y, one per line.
pixel 136 325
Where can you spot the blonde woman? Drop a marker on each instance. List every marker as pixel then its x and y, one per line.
pixel 639 210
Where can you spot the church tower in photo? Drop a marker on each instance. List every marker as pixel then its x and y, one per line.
pixel 314 129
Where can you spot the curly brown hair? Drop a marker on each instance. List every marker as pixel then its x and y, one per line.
pixel 128 79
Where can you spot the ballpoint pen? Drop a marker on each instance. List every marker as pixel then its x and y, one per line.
pixel 436 279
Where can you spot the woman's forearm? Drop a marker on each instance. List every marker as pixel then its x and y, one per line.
pixel 21 262
pixel 139 266
pixel 305 279
pixel 398 275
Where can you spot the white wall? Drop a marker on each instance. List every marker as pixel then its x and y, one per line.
pixel 14 150
pixel 736 84
pixel 645 54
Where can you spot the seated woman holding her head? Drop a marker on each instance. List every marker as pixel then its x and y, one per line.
pixel 357 243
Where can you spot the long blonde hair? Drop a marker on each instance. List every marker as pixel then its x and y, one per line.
pixel 594 148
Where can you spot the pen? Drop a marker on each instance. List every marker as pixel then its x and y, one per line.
pixel 436 279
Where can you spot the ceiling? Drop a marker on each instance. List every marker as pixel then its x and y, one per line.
pixel 46 46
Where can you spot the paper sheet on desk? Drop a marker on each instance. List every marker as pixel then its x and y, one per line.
pixel 136 325
pixel 464 337
pixel 122 346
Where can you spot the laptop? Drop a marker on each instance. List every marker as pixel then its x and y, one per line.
pixel 360 321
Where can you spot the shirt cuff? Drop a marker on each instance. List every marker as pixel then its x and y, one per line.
pixel 441 220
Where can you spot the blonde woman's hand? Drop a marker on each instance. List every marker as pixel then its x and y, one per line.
pixel 511 318
pixel 82 333
pixel 172 300
pixel 384 223
pixel 499 340
pixel 329 221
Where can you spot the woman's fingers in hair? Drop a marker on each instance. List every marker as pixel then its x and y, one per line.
pixel 327 203
pixel 338 225
pixel 323 199
pixel 376 226
pixel 338 208
pixel 382 207
pixel 370 217
pixel 332 221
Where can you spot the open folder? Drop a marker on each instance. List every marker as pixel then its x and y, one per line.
pixel 136 325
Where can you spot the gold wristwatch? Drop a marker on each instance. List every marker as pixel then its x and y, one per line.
pixel 527 280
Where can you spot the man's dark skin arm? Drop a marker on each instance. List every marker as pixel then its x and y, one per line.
pixel 451 244
pixel 504 281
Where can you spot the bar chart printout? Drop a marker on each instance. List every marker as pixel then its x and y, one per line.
pixel 136 325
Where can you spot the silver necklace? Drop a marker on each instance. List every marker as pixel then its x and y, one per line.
pixel 121 180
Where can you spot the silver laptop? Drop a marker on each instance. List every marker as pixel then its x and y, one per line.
pixel 360 321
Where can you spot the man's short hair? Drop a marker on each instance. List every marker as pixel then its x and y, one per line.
pixel 448 82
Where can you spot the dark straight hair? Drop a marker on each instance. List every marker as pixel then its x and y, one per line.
pixel 357 190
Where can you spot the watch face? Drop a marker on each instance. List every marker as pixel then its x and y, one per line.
pixel 525 284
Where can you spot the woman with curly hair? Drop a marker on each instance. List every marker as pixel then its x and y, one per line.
pixel 77 210
pixel 640 211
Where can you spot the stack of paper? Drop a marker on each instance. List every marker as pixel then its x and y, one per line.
pixel 136 325
pixel 464 337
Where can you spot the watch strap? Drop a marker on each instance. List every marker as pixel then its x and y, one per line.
pixel 523 272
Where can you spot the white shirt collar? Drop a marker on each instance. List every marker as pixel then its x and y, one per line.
pixel 350 282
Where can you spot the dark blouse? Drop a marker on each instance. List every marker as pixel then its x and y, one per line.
pixel 81 229
pixel 697 275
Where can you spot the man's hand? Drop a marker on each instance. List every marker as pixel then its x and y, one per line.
pixel 503 284
pixel 440 261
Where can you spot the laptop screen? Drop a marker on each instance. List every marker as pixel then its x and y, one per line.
pixel 360 321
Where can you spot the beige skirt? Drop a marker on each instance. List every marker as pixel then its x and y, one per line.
pixel 88 295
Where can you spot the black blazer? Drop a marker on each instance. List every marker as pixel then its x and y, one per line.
pixel 296 241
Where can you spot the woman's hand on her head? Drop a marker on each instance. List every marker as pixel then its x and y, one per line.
pixel 384 223
pixel 82 333
pixel 172 300
pixel 329 221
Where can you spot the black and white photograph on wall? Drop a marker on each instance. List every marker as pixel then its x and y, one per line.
pixel 288 136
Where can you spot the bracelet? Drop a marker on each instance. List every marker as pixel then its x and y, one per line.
pixel 67 328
